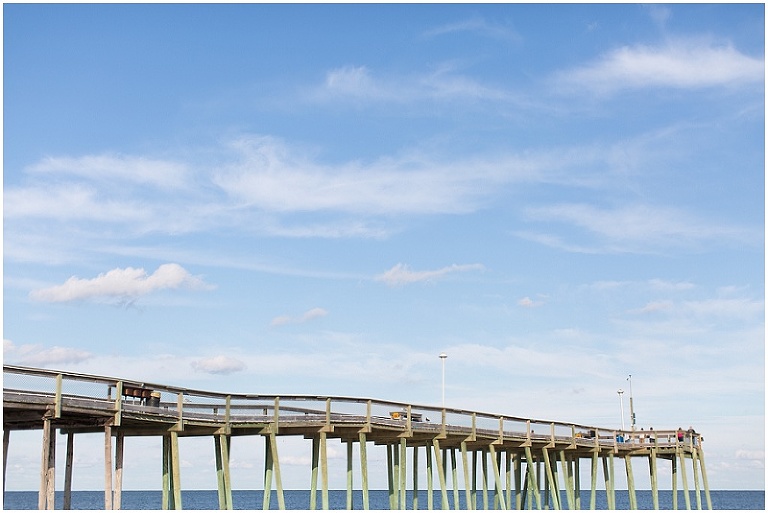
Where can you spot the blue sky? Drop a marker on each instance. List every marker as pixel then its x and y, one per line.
pixel 321 199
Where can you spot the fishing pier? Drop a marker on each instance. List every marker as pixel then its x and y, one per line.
pixel 471 460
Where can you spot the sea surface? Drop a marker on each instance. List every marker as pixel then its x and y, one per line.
pixel 378 500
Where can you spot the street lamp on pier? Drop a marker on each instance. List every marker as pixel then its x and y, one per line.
pixel 621 404
pixel 631 404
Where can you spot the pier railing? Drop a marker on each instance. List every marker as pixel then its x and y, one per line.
pixel 198 406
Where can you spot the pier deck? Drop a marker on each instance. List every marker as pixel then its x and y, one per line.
pixel 37 399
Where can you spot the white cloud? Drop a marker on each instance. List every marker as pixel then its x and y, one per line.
pixel 106 167
pixel 218 365
pixel 476 25
pixel 313 313
pixel 527 302
pixel 121 284
pixel 36 356
pixel 401 274
pixel 684 64
pixel 638 227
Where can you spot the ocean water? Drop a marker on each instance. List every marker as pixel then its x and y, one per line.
pixel 378 500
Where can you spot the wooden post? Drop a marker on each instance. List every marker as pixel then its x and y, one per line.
pixel 118 492
pixel 484 476
pixel 630 482
pixel 323 469
pixel 313 479
pixel 497 476
pixel 364 469
pixel 415 473
pixel 694 462
pixel 349 474
pixel 567 480
pixel 441 472
pixel 107 467
pixel 166 497
pixel 674 481
pixel 686 495
pixel 593 482
pixel 654 483
pixel 176 470
pixel 518 482
pixel 465 467
pixel 391 477
pixel 553 486
pixel 278 478
pixel 533 485
pixel 454 479
pixel 430 492
pixel 6 441
pixel 403 467
pixel 704 477
pixel 223 478
pixel 68 470
pixel 267 473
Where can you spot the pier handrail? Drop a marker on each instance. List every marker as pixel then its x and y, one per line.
pixel 232 402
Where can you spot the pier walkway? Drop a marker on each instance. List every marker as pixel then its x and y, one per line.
pixel 528 463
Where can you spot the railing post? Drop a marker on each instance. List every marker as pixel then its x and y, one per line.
pixel 57 408
pixel 118 403
pixel 276 416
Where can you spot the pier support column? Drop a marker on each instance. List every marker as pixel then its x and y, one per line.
pixel 608 476
pixel 654 479
pixel 430 490
pixel 695 461
pixel 567 480
pixel 441 474
pixel 674 482
pixel 107 467
pixel 403 466
pixel 499 495
pixel 484 476
pixel 6 441
pixel 349 474
pixel 455 480
pixel 117 496
pixel 532 484
pixel 686 494
pixel 552 483
pixel 272 468
pixel 224 486
pixel 45 498
pixel 415 472
pixel 171 472
pixel 313 478
pixel 391 477
pixel 364 470
pixel 68 470
pixel 704 478
pixel 593 481
pixel 630 482
pixel 465 466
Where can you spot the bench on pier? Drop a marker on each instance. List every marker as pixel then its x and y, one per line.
pixel 144 395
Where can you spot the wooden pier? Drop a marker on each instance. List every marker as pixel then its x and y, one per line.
pixel 528 463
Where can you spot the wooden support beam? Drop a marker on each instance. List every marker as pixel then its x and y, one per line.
pixel 533 485
pixel 441 472
pixel 593 481
pixel 630 482
pixel 403 466
pixel 484 476
pixel 117 501
pixel 695 461
pixel 455 480
pixel 499 494
pixel 313 479
pixel 554 488
pixel 176 470
pixel 654 479
pixel 349 474
pixel 686 494
pixel 430 491
pixel 700 452
pixel 107 467
pixel 68 471
pixel 364 469
pixel 6 442
pixel 415 472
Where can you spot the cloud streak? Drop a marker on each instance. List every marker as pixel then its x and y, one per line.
pixel 680 64
pixel 311 314
pixel 120 284
pixel 401 274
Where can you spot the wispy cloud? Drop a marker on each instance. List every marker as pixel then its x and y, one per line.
pixel 107 167
pixel 636 227
pixel 401 274
pixel 313 313
pixel 39 356
pixel 475 25
pixel 220 364
pixel 680 64
pixel 123 285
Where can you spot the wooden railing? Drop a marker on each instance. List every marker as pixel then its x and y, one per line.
pixel 121 396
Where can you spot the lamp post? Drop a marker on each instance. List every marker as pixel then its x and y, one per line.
pixel 631 404
pixel 443 356
pixel 621 403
